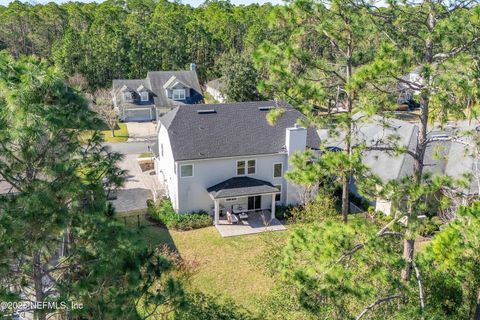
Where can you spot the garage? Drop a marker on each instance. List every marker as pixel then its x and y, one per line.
pixel 140 114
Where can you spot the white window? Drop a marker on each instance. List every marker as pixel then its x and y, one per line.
pixel 144 96
pixel 251 166
pixel 178 94
pixel 277 170
pixel 245 167
pixel 127 96
pixel 186 170
pixel 240 168
pixel 278 196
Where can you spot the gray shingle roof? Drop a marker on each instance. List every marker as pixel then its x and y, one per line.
pixel 6 188
pixel 155 81
pixel 241 186
pixel 235 129
pixel 158 79
pixel 441 157
pixel 387 166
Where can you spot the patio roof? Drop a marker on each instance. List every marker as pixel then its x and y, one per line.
pixel 241 187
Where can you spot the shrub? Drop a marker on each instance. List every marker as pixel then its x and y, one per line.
pixel 163 212
pixel 429 226
pixel 321 208
pixel 283 212
pixel 359 201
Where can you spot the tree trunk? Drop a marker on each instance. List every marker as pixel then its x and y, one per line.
pixel 37 281
pixel 409 245
pixel 408 249
pixel 345 204
pixel 348 136
pixel 113 132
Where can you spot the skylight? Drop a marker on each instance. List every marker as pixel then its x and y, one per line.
pixel 206 111
pixel 265 108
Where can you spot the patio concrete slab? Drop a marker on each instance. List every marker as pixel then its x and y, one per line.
pixel 139 186
pixel 140 131
pixel 256 223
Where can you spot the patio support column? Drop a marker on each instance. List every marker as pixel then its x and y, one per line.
pixel 273 207
pixel 217 212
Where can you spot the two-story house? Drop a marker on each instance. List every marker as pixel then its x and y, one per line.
pixel 218 156
pixel 161 91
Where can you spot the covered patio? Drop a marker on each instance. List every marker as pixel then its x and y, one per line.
pixel 244 205
pixel 256 222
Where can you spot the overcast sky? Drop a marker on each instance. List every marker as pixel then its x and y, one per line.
pixel 192 2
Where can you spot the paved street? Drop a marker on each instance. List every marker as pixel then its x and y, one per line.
pixel 130 147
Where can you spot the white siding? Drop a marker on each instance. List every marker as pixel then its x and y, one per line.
pixel 216 94
pixel 192 191
pixel 165 166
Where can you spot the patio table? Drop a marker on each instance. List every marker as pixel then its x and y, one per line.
pixel 243 216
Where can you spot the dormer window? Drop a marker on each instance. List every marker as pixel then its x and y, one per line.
pixel 144 96
pixel 127 96
pixel 178 94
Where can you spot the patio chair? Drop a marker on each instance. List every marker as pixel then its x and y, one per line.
pixel 231 218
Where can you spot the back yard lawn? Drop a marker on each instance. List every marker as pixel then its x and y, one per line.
pixel 228 267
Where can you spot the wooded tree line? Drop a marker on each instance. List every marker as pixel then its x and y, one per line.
pixel 125 39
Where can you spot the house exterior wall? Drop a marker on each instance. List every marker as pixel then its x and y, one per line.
pixel 165 166
pixel 216 94
pixel 384 206
pixel 192 191
pixel 295 142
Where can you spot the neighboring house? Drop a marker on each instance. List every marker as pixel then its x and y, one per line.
pixel 443 156
pixel 216 89
pixel 148 99
pixel 215 157
pixel 406 91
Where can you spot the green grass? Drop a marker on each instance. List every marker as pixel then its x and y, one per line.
pixel 227 267
pixel 145 155
pixel 121 134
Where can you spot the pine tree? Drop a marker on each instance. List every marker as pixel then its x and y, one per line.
pixel 58 240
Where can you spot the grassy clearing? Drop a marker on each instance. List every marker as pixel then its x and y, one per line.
pixel 228 267
pixel 121 134
pixel 145 155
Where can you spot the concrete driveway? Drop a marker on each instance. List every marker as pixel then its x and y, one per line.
pixel 140 131
pixel 138 186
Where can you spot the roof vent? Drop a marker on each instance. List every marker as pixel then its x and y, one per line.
pixel 207 111
pixel 265 108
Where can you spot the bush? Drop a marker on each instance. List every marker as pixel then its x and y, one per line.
pixel 359 201
pixel 323 207
pixel 163 212
pixel 283 212
pixel 429 226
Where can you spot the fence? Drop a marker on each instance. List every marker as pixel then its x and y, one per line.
pixel 134 218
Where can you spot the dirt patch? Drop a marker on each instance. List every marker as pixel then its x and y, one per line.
pixel 146 166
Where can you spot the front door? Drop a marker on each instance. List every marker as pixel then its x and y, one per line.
pixel 254 203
